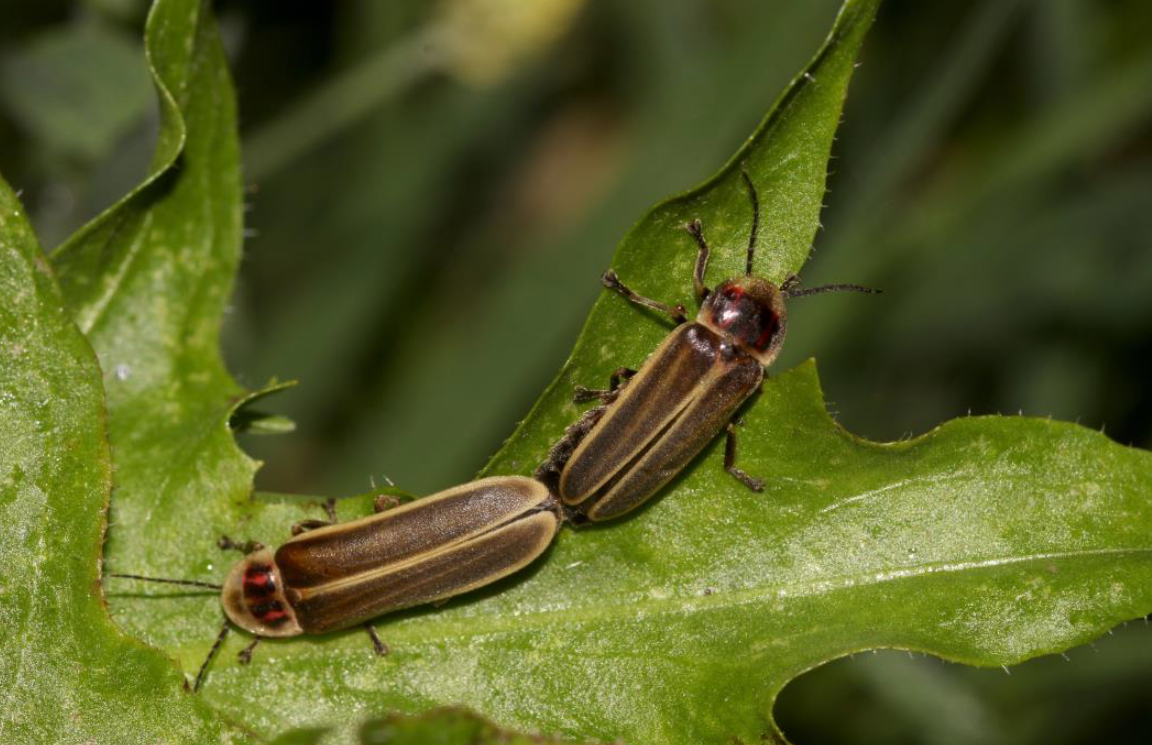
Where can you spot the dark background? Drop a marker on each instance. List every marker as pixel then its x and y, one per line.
pixel 435 189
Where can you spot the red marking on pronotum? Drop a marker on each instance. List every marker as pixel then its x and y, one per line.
pixel 272 613
pixel 258 582
pixel 769 331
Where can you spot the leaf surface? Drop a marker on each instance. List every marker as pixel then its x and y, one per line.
pixel 67 675
pixel 148 281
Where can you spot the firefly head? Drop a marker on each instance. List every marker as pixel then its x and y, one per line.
pixel 253 597
pixel 749 311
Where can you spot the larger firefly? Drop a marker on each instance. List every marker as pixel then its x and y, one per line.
pixel 651 423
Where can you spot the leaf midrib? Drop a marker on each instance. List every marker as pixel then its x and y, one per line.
pixel 630 608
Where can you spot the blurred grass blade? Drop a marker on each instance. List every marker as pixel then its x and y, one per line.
pixel 478 41
pixel 919 128
pixel 342 101
pixel 1078 129
pixel 1074 131
pixel 444 727
pixel 939 708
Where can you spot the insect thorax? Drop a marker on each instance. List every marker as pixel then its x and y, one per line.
pixel 253 597
pixel 750 312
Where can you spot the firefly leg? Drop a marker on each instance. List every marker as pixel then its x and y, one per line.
pixel 696 230
pixel 619 376
pixel 380 647
pixel 306 525
pixel 211 653
pixel 227 544
pixel 754 484
pixel 383 503
pixel 791 282
pixel 612 282
pixel 245 655
pixel 582 395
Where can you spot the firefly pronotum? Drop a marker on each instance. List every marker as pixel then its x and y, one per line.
pixel 653 422
pixel 333 576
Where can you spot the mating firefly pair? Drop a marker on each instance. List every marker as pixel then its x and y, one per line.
pixel 649 425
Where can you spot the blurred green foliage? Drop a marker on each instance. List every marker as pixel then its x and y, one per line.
pixel 433 248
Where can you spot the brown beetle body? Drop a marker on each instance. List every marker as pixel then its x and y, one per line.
pixel 425 551
pixel 681 398
pixel 338 575
pixel 645 432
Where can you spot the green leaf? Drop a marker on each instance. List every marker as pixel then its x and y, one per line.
pixel 148 282
pixel 987 541
pixel 68 675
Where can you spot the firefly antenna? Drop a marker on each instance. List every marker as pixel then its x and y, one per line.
pixel 162 580
pixel 755 219
pixel 791 292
